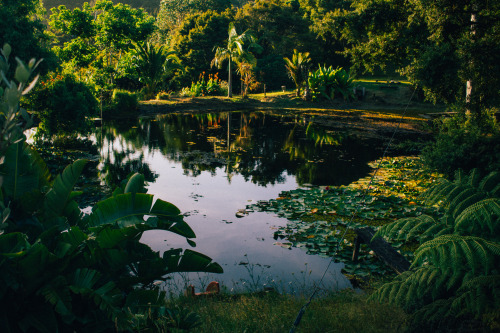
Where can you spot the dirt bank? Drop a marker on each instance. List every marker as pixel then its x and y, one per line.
pixel 366 118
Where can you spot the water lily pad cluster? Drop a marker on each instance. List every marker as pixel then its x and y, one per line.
pixel 319 216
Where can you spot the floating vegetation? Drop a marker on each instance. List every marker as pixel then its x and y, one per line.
pixel 318 216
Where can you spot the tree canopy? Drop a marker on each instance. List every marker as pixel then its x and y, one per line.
pixel 21 27
pixel 437 45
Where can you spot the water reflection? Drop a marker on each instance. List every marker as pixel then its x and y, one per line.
pixel 264 149
pixel 211 165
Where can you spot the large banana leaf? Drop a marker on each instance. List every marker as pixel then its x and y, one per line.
pixel 23 171
pixel 59 196
pixel 189 261
pixel 129 209
pixel 13 244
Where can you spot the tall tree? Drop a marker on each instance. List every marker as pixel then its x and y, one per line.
pixel 173 12
pixel 22 28
pixel 235 52
pixel 195 40
pixel 98 35
pixel 439 45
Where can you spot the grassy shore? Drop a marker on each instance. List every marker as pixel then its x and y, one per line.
pixel 347 311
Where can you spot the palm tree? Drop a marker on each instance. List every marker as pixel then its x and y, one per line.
pixel 298 68
pixel 234 52
pixel 152 64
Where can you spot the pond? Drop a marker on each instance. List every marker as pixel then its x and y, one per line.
pixel 212 166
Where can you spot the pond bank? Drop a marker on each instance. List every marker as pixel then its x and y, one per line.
pixel 370 119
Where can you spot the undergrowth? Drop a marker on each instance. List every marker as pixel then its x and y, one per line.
pixel 346 311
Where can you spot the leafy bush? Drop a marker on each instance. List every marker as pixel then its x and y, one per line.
pixel 330 83
pixel 123 103
pixel 162 96
pixel 461 145
pixel 64 104
pixel 454 276
pixel 211 87
pixel 62 271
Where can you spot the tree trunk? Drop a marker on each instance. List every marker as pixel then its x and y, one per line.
pixel 230 81
pixel 468 88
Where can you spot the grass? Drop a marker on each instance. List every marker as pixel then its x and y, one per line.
pixel 346 311
pixel 381 99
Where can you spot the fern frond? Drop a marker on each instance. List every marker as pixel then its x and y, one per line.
pixel 438 191
pixel 460 177
pixel 481 218
pixel 464 199
pixel 429 316
pixel 458 252
pixel 413 288
pixel 474 178
pixel 436 230
pixel 490 182
pixel 408 228
pixel 478 295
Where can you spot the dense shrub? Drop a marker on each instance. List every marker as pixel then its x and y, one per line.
pixel 211 87
pixel 460 145
pixel 331 83
pixel 163 96
pixel 64 105
pixel 123 103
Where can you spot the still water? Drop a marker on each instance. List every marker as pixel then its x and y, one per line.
pixel 212 165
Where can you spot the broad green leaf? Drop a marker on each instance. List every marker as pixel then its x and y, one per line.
pixel 58 196
pixel 135 184
pixel 189 261
pixel 13 244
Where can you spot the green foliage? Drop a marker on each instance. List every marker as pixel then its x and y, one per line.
pixel 173 12
pixel 123 103
pixel 211 87
pixel 454 272
pixel 93 38
pixel 21 25
pixel 153 66
pixel 461 144
pixel 10 94
pixel 195 40
pixel 163 96
pixel 237 51
pixel 330 83
pixel 151 6
pixel 64 105
pixel 280 28
pixel 437 45
pixel 298 68
pixel 61 271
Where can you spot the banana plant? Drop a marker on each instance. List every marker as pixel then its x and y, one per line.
pixel 62 271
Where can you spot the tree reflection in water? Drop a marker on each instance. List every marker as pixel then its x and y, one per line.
pixel 262 147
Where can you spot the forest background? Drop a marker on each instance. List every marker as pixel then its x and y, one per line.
pixel 108 55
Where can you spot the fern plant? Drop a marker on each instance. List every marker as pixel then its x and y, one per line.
pixel 455 272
